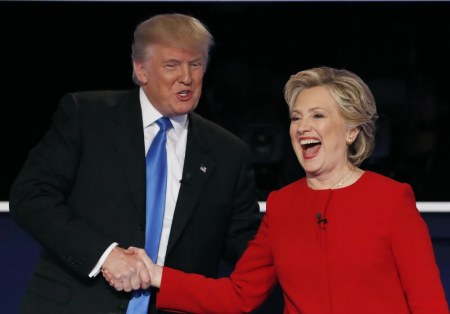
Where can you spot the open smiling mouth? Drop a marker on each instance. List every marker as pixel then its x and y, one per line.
pixel 310 147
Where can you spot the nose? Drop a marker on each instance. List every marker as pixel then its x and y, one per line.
pixel 185 75
pixel 301 126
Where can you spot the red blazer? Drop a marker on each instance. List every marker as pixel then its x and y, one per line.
pixel 373 256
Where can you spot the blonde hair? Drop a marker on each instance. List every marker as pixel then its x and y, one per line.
pixel 353 97
pixel 174 29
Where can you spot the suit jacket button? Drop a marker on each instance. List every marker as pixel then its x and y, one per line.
pixel 122 308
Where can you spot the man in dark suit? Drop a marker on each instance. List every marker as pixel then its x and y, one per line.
pixel 82 190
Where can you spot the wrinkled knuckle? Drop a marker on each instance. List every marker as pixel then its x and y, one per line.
pixel 140 264
pixel 117 276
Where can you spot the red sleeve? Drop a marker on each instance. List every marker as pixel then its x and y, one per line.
pixel 413 252
pixel 247 287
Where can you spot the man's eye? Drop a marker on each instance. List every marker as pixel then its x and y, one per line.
pixel 170 65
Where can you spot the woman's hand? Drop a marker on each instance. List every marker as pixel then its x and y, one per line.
pixel 126 272
pixel 154 269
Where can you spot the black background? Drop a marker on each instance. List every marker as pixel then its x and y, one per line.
pixel 401 49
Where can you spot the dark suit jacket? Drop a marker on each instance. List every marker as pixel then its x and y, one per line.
pixel 83 187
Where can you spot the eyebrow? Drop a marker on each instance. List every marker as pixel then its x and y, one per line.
pixel 309 109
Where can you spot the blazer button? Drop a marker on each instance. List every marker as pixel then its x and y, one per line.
pixel 141 227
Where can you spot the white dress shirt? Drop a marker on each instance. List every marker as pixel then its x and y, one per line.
pixel 176 149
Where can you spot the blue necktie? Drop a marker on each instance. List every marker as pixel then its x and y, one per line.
pixel 156 163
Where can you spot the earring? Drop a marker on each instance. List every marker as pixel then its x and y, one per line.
pixel 349 141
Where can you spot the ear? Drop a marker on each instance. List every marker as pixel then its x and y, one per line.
pixel 351 135
pixel 139 71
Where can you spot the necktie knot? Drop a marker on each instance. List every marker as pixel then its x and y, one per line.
pixel 164 123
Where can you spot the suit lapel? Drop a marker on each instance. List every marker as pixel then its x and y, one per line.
pixel 198 167
pixel 128 138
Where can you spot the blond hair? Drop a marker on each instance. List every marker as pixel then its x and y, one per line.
pixel 174 29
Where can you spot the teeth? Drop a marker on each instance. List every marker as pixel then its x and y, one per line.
pixel 309 141
pixel 183 93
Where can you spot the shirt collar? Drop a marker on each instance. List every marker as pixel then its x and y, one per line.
pixel 150 114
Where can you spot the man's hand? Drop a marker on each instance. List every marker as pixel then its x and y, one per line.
pixel 154 269
pixel 126 272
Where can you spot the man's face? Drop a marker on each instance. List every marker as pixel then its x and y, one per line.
pixel 172 78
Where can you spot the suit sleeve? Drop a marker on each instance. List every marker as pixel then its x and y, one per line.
pixel 39 196
pixel 413 252
pixel 245 218
pixel 247 287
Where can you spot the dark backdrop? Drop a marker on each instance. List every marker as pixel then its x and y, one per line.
pixel 401 49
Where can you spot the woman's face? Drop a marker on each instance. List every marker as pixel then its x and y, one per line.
pixel 319 132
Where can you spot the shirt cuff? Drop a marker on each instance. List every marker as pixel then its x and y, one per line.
pixel 94 272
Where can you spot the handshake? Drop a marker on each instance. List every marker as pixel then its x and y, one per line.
pixel 131 269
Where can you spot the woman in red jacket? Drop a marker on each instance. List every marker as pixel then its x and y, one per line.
pixel 341 240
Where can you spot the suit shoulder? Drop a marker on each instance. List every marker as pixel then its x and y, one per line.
pixel 381 181
pixel 390 189
pixel 99 97
pixel 212 130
